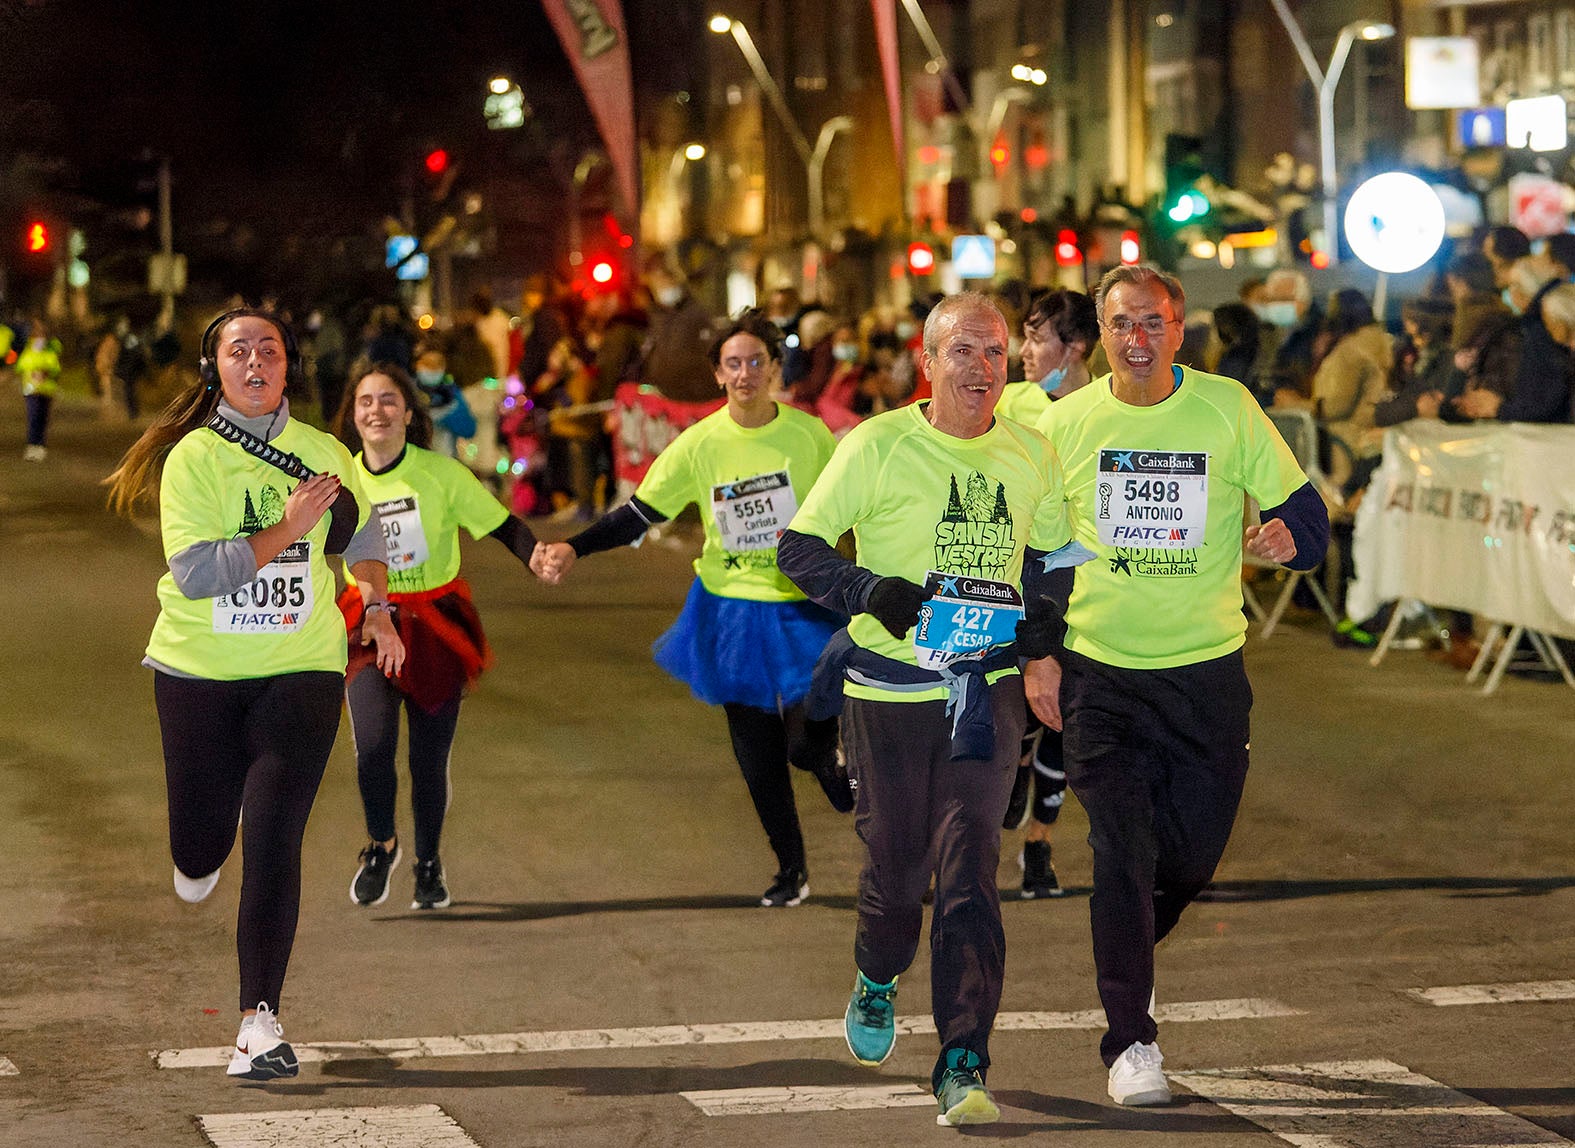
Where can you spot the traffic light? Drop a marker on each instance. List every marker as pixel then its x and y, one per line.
pixel 1067 252
pixel 1184 203
pixel 36 240
pixel 1000 155
pixel 437 161
pixel 1187 205
pixel 602 272
pixel 1131 248
pixel 921 258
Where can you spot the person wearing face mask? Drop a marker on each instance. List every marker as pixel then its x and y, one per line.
pixel 1059 334
pixel 841 359
pixel 1287 307
pixel 248 652
pixel 1539 390
pixel 452 418
pixel 673 359
pixel 423 499
pixel 38 369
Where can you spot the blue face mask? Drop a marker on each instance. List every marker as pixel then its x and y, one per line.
pixel 1053 380
pixel 430 378
pixel 1280 314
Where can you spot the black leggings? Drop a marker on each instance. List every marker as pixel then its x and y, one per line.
pixel 761 740
pixel 260 744
pixel 374 718
pixel 1044 744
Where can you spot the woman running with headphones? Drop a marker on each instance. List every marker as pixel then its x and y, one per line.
pixel 248 652
pixel 747 638
pixel 422 498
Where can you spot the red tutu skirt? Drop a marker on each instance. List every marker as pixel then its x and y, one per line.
pixel 446 649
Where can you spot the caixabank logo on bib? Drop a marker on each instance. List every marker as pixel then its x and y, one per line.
pixel 1155 563
pixel 975 535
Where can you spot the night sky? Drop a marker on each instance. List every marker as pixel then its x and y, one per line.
pixel 286 118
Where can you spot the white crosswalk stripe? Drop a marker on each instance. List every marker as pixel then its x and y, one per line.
pixel 390 1126
pixel 7 1068
pixel 807 1098
pixel 1514 991
pixel 1360 1104
pixel 666 1036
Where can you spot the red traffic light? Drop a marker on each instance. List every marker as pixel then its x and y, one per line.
pixel 921 258
pixel 37 237
pixel 1067 252
pixel 602 272
pixel 1000 154
pixel 437 161
pixel 1131 248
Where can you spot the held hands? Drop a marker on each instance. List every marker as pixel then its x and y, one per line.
pixel 378 626
pixel 1271 541
pixel 308 502
pixel 895 603
pixel 550 561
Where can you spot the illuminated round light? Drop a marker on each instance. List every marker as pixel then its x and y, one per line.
pixel 721 25
pixel 499 85
pixel 694 151
pixel 921 258
pixel 602 271
pixel 1204 249
pixel 1038 76
pixel 1021 71
pixel 1131 251
pixel 437 161
pixel 1319 259
pixel 626 241
pixel 1394 222
pixel 425 322
pixel 1028 215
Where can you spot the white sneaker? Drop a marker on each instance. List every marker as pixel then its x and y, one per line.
pixel 1136 1079
pixel 35 453
pixel 260 1049
pixel 194 889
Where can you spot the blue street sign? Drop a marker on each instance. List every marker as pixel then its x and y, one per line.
pixel 973 256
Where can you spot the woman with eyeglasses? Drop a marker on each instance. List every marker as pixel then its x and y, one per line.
pixel 747 639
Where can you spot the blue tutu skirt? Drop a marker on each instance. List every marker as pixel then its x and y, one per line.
pixel 759 654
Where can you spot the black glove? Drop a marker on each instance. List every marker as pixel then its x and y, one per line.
pixel 895 604
pixel 1041 635
pixel 343 518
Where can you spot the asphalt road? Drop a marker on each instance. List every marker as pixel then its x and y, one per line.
pixel 1399 832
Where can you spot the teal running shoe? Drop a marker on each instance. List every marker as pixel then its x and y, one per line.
pixel 962 1096
pixel 871 1020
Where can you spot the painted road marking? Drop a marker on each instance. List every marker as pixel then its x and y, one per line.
pixel 7 1068
pixel 1496 994
pixel 392 1126
pixel 1360 1104
pixel 807 1098
pixel 666 1036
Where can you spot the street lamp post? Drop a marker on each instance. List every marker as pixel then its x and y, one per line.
pixel 1326 82
pixel 814 158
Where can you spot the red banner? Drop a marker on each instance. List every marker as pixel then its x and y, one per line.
pixel 593 37
pixel 644 422
pixel 891 73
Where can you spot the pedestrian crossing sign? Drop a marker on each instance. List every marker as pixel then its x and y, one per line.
pixel 973 256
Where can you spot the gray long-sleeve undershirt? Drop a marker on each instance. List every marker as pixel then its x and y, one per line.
pixel 208 569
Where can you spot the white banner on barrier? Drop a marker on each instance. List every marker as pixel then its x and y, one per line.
pixel 1477 517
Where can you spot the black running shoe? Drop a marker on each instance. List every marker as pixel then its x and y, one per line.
pixel 370 886
pixel 1017 808
pixel 1039 879
pixel 789 887
pixel 431 889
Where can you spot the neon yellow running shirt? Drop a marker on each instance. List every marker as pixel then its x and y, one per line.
pixel 423 502
pixel 1158 493
pixel 285 620
pixel 918 500
pixel 1024 403
pixel 747 482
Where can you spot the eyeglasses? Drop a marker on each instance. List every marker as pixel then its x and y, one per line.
pixel 1153 326
pixel 753 363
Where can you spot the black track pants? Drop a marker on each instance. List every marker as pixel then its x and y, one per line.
pixel 374 719
pixel 760 743
pixel 261 745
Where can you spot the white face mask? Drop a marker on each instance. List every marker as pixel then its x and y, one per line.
pixel 1280 313
pixel 669 296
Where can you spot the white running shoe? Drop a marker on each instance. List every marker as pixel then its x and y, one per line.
pixel 194 889
pixel 1136 1078
pixel 261 1052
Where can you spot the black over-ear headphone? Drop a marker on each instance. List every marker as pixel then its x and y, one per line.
pixel 208 366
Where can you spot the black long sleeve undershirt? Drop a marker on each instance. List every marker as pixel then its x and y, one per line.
pixel 514 534
pixel 616 528
pixel 825 576
pixel 1307 517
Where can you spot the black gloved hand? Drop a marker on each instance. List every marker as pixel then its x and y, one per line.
pixel 895 604
pixel 1041 635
